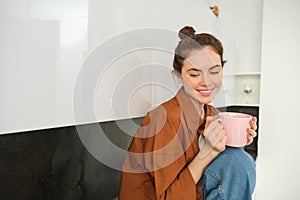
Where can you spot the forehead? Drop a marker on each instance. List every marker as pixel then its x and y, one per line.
pixel 205 57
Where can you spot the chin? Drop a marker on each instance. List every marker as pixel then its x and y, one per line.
pixel 205 100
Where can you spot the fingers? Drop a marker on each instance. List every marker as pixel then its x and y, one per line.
pixel 216 148
pixel 210 119
pixel 253 123
pixel 251 134
pixel 222 139
pixel 252 131
pixel 249 140
pixel 212 125
pixel 213 132
pixel 215 138
pixel 221 145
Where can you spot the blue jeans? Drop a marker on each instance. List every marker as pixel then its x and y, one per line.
pixel 230 176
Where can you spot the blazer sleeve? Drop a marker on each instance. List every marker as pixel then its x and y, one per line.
pixel 174 180
pixel 163 172
pixel 172 177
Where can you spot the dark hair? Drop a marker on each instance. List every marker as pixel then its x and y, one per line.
pixel 191 41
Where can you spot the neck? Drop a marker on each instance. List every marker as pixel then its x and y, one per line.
pixel 198 106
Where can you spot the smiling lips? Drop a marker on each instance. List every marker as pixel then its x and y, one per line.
pixel 205 93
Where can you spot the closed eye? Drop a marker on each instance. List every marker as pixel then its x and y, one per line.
pixel 215 69
pixel 194 75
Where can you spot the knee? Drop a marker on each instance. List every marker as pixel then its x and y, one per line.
pixel 231 175
pixel 233 155
pixel 238 159
pixel 235 165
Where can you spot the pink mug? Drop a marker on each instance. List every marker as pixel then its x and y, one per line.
pixel 235 126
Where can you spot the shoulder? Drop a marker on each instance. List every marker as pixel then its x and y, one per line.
pixel 169 109
pixel 167 112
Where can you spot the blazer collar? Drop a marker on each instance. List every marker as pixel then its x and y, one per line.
pixel 190 114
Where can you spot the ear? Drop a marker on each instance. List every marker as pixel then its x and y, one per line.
pixel 177 78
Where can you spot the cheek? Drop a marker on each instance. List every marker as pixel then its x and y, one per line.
pixel 190 82
pixel 218 81
pixel 193 83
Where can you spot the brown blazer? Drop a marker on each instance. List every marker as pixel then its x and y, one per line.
pixel 155 166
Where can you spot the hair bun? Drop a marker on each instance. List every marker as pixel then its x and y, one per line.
pixel 186 31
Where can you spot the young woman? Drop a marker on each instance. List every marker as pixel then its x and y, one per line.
pixel 180 151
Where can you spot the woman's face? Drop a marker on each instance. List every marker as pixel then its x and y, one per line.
pixel 202 75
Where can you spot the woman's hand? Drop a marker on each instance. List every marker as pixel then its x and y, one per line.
pixel 214 137
pixel 252 131
pixel 214 143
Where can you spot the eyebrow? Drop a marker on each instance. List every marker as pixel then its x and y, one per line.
pixel 199 70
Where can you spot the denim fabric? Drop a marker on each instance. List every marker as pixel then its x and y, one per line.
pixel 231 176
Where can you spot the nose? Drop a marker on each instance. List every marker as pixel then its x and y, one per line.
pixel 203 80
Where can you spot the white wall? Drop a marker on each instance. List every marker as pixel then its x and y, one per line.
pixel 278 161
pixel 243 21
pixel 28 75
pixel 141 77
pixel 44 45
